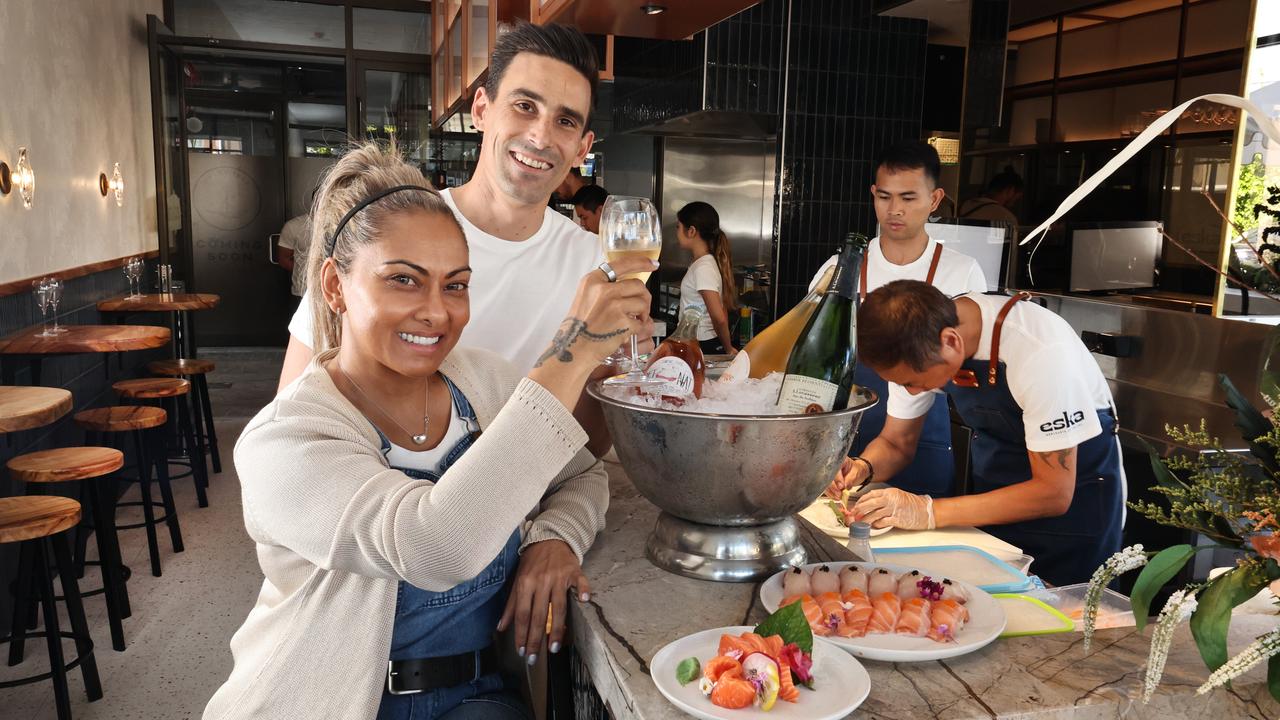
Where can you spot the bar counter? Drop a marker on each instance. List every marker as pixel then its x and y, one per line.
pixel 637 608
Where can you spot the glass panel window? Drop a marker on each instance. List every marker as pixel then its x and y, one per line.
pixel 316 129
pixel 398 107
pixel 455 60
pixel 231 131
pixel 391 30
pixel 287 23
pixel 478 40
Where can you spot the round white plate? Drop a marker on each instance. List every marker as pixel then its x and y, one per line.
pixel 840 682
pixel 986 622
pixel 825 520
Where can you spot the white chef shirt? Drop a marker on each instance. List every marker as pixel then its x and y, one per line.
pixel 957 273
pixel 1051 374
pixel 703 274
pixel 520 291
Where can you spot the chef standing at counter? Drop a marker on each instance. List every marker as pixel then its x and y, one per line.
pixel 1047 472
pixel 906 192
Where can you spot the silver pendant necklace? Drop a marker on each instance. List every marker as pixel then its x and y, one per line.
pixel 417 439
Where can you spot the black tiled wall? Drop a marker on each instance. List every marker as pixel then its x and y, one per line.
pixel 855 85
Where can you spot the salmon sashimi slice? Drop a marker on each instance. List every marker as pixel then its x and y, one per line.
pixel 857 616
pixel 812 613
pixel 914 618
pixel 832 608
pixel 946 618
pixel 721 665
pixel 733 691
pixel 885 609
pixel 786 686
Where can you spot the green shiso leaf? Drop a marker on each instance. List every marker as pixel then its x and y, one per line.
pixel 790 624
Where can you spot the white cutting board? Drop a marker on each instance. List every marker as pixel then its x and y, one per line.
pixel 818 513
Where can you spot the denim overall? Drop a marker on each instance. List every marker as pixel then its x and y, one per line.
pixel 459 620
pixel 932 472
pixel 1068 548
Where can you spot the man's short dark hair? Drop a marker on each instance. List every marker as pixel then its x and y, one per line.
pixel 901 323
pixel 590 197
pixel 1005 179
pixel 912 155
pixel 558 42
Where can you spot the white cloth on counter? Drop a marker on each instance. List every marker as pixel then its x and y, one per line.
pixel 520 290
pixel 957 273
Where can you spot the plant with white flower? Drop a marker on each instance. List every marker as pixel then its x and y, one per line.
pixel 1259 650
pixel 1130 558
pixel 1176 611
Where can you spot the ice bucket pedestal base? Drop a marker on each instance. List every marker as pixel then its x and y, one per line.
pixel 722 553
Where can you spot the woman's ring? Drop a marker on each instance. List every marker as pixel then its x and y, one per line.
pixel 607 269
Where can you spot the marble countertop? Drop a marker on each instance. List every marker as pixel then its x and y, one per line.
pixel 637 608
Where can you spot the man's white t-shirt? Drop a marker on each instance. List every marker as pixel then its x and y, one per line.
pixel 957 273
pixel 296 235
pixel 1051 374
pixel 520 291
pixel 703 274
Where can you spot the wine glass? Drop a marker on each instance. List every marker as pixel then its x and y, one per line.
pixel 40 290
pixel 133 271
pixel 55 297
pixel 629 226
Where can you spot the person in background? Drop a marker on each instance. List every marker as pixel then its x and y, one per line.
pixel 709 280
pixel 534 111
pixel 407 496
pixel 586 205
pixel 996 204
pixel 569 187
pixel 904 194
pixel 1047 474
pixel 295 239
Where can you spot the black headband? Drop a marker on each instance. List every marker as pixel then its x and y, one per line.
pixel 333 239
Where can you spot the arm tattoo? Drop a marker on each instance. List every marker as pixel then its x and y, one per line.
pixel 1060 456
pixel 570 330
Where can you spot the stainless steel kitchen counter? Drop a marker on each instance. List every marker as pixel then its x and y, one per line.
pixel 637 608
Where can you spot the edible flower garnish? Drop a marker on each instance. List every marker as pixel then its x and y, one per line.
pixel 930 590
pixel 800 662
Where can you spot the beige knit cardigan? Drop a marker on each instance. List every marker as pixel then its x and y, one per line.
pixel 337 529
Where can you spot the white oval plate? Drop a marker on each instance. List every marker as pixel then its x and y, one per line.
pixel 825 520
pixel 841 682
pixel 986 622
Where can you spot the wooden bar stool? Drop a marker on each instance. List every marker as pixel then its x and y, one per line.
pixel 174 394
pixel 195 371
pixel 94 468
pixel 39 524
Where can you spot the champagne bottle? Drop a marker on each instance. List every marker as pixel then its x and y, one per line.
pixel 768 351
pixel 678 360
pixel 820 368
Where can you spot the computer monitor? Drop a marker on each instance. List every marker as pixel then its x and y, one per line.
pixel 1114 256
pixel 984 241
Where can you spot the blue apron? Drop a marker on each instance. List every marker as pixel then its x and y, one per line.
pixel 1068 548
pixel 459 620
pixel 932 472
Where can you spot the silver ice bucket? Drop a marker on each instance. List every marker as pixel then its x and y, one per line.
pixel 728 485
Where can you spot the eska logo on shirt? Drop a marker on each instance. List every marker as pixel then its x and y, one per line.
pixel 1064 422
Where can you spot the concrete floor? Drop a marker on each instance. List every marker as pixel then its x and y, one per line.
pixel 182 622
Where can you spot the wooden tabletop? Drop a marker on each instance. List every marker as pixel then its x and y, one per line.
pixel 160 302
pixel 85 339
pixel 23 408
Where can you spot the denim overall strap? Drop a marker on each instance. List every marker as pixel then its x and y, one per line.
pixel 932 470
pixel 1067 548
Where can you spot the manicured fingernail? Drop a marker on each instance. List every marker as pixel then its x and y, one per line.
pixel 585 597
pixel 654 263
pixel 555 647
pixel 520 652
pixel 533 659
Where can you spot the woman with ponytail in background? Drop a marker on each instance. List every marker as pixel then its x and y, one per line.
pixel 709 280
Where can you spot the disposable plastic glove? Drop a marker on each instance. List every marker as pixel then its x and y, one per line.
pixel 891 507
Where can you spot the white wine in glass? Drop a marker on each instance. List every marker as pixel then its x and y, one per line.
pixel 629 226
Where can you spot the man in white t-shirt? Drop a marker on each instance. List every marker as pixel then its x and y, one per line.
pixel 526 258
pixel 295 239
pixel 1047 473
pixel 905 193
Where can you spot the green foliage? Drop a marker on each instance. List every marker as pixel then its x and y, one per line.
pixel 1157 572
pixel 1250 187
pixel 790 624
pixel 1212 618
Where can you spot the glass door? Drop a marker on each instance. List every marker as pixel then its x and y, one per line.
pixel 169 139
pixel 393 103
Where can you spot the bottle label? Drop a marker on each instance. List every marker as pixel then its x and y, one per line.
pixel 738 371
pixel 676 375
pixel 803 395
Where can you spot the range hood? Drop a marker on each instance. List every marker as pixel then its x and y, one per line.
pixel 721 124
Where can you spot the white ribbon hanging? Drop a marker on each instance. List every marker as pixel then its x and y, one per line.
pixel 1268 125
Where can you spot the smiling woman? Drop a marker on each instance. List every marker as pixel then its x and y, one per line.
pixel 409 497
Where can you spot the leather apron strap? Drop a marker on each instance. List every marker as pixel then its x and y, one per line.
pixel 993 368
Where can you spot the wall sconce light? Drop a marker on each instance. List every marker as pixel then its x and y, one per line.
pixel 113 184
pixel 22 176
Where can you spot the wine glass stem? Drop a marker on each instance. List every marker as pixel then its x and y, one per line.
pixel 635 355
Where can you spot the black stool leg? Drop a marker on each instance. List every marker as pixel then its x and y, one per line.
pixel 113 586
pixel 202 386
pixel 166 493
pixel 53 634
pixel 144 487
pixel 75 613
pixel 22 603
pixel 195 453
